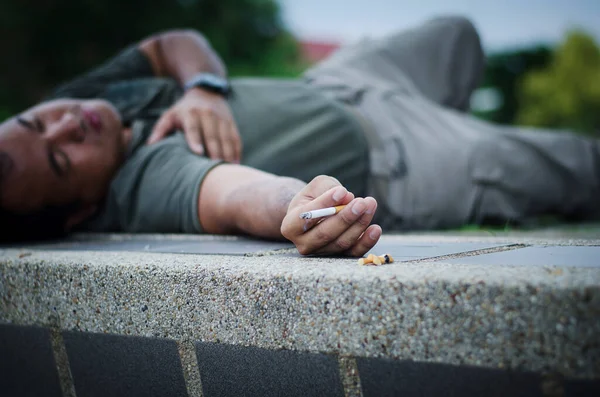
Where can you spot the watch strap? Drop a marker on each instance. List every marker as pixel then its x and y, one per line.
pixel 210 82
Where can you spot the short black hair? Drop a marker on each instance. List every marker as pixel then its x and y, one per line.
pixel 44 224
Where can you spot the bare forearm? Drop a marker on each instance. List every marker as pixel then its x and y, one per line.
pixel 261 208
pixel 236 199
pixel 181 54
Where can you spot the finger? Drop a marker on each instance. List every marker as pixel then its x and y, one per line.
pixel 210 134
pixel 350 229
pixel 324 192
pixel 226 139
pixel 163 126
pixel 237 143
pixel 339 232
pixel 193 132
pixel 366 242
pixel 317 186
pixel 335 196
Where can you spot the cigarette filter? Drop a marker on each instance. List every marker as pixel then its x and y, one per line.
pixel 376 260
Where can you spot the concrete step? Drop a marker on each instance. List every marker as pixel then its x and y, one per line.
pixel 205 315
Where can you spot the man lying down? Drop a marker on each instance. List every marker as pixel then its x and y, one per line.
pixel 159 140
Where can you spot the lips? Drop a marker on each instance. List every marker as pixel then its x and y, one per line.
pixel 93 119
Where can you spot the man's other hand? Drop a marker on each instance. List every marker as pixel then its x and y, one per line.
pixel 207 122
pixel 348 232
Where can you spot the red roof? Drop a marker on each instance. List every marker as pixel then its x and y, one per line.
pixel 314 51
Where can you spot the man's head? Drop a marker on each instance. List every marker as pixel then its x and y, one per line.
pixel 59 155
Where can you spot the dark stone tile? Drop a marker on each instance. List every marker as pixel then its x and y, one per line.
pixel 404 252
pixel 237 246
pixel 27 365
pixel 582 388
pixel 111 365
pixel 381 377
pixel 227 370
pixel 538 256
pixel 413 251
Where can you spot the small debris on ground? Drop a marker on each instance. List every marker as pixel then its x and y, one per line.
pixel 374 260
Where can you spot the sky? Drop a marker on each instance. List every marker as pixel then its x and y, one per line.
pixel 502 24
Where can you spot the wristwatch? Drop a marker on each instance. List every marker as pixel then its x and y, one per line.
pixel 210 82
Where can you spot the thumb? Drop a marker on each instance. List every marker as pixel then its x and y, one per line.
pixel 162 128
pixel 315 189
pixel 332 197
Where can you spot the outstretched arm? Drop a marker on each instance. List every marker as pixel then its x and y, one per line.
pixel 236 199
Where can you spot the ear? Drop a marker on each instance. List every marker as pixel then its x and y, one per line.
pixel 83 213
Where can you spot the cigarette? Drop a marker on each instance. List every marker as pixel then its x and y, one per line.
pixel 321 213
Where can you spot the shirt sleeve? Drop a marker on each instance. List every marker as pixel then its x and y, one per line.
pixel 128 64
pixel 156 191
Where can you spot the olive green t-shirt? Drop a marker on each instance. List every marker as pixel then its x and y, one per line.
pixel 287 127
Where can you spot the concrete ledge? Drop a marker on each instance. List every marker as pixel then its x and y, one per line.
pixel 490 314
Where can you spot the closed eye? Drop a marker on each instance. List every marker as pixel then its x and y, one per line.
pixel 59 162
pixel 36 125
pixel 26 123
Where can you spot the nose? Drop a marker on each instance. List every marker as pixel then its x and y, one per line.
pixel 67 129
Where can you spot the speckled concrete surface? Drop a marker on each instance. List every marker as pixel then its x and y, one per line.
pixel 529 318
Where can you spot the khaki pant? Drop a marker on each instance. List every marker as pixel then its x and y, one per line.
pixel 433 165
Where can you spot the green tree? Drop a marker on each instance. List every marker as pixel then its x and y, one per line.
pixel 45 42
pixel 566 94
pixel 503 72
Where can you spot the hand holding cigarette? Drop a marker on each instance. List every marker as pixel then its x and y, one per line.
pixel 343 227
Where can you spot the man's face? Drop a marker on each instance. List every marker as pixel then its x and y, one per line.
pixel 62 151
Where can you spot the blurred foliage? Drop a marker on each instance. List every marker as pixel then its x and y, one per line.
pixel 566 94
pixel 49 41
pixel 545 87
pixel 503 72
